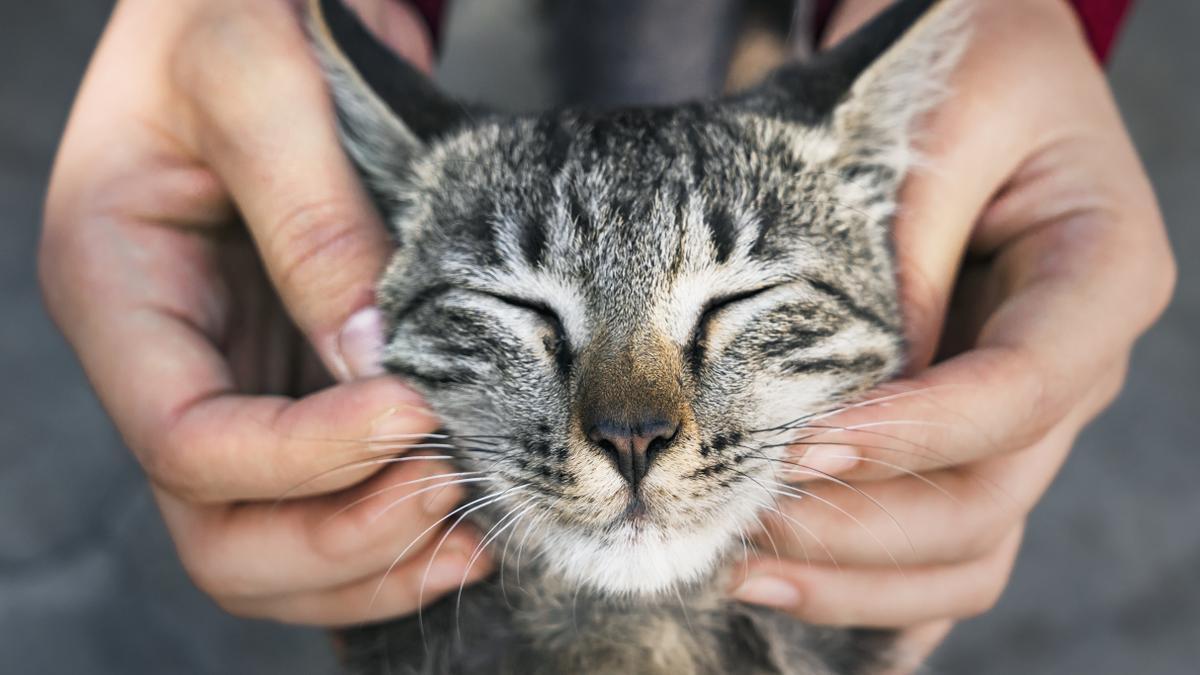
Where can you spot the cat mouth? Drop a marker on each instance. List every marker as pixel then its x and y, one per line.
pixel 636 512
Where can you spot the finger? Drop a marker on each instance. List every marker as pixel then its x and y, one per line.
pixel 266 126
pixel 264 549
pixel 937 518
pixel 231 447
pixel 386 594
pixel 880 597
pixel 159 373
pixel 983 403
pixel 940 518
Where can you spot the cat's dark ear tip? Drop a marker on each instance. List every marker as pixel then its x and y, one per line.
pixel 811 91
pixel 407 95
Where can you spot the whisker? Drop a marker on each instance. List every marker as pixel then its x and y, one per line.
pixel 805 493
pixel 521 547
pixel 504 559
pixel 928 481
pixel 397 486
pixel 947 462
pixel 809 532
pixel 683 606
pixel 876 401
pixel 834 479
pixel 480 501
pixel 475 505
pixel 762 526
pixel 360 464
pixel 488 537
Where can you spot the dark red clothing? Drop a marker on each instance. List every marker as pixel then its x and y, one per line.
pixel 1101 18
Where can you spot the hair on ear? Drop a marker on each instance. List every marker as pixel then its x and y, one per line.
pixel 877 80
pixel 406 93
pixel 388 112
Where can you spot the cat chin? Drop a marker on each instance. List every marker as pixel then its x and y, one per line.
pixel 640 561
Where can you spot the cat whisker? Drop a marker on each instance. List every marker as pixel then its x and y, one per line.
pixel 866 446
pixel 928 481
pixel 993 487
pixel 488 537
pixel 876 401
pixel 468 507
pixel 762 526
pixel 687 618
pixel 456 475
pixel 803 549
pixel 785 490
pixel 807 530
pixel 462 511
pixel 360 464
pixel 834 479
pixel 504 559
pixel 396 438
pixel 521 547
pixel 799 540
pixel 745 554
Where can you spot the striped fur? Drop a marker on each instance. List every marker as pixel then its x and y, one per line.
pixel 725 263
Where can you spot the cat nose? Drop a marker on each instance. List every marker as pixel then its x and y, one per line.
pixel 633 447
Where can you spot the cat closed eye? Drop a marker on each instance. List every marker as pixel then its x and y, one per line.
pixel 556 343
pixel 716 305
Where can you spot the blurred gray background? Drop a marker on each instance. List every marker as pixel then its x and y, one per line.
pixel 1108 582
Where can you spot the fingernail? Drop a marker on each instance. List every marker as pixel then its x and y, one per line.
pixel 828 459
pixel 360 345
pixel 403 423
pixel 769 591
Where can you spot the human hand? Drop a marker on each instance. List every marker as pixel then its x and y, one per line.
pixel 192 328
pixel 1031 174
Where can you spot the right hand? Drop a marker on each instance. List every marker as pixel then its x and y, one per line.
pixel 194 330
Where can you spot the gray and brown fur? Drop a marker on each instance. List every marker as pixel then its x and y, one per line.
pixel 701 274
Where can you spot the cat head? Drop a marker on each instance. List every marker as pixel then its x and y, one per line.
pixel 620 314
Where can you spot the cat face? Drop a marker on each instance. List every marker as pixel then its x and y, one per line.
pixel 618 314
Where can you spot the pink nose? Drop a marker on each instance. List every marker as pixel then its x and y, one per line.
pixel 633 447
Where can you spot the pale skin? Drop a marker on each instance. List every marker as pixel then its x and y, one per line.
pixel 195 110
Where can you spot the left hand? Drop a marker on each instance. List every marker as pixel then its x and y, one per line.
pixel 1067 262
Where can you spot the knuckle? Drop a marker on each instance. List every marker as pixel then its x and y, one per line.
pixel 64 267
pixel 1165 279
pixel 983 597
pixel 315 230
pixel 1046 400
pixel 980 602
pixel 993 575
pixel 209 574
pixel 51 249
pixel 176 465
pixel 344 537
pixel 168 467
pixel 988 531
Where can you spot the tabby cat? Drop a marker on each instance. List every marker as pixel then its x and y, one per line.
pixel 621 315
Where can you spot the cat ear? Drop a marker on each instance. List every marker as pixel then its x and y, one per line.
pixel 870 88
pixel 388 112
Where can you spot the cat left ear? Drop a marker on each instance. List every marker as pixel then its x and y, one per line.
pixel 388 111
pixel 870 88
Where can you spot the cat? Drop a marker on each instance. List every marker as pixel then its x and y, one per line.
pixel 621 316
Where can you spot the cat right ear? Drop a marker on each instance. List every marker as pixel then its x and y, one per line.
pixel 388 112
pixel 870 88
